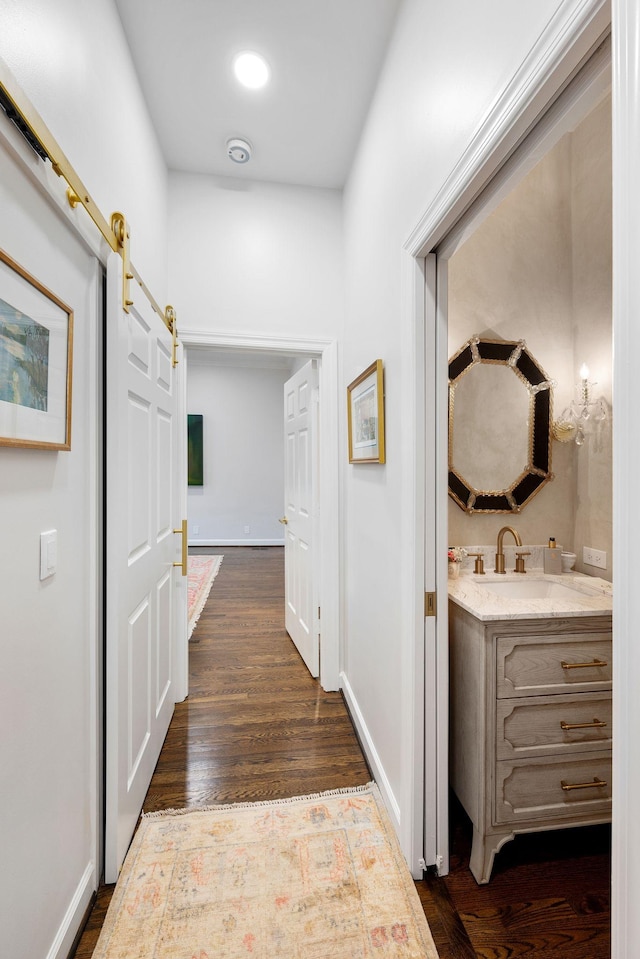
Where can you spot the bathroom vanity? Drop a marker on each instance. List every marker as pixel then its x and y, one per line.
pixel 530 691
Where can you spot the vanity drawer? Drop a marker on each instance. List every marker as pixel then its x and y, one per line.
pixel 533 789
pixel 542 665
pixel 535 726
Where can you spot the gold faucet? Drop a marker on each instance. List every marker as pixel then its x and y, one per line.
pixel 499 567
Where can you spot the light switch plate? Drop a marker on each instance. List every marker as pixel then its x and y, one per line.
pixel 48 553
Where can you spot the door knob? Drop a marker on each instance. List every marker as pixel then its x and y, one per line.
pixel 284 521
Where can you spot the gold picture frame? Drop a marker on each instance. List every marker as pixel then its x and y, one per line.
pixel 36 359
pixel 365 413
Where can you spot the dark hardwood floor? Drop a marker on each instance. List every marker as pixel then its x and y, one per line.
pixel 257 726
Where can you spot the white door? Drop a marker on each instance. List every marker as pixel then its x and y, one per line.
pixel 436 699
pixel 141 437
pixel 300 431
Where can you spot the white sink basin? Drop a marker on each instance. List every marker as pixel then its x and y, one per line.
pixel 537 589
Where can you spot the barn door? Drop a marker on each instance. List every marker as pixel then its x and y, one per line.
pixel 141 622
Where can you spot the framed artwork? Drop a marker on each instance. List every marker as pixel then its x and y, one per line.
pixel 365 411
pixel 195 450
pixel 36 359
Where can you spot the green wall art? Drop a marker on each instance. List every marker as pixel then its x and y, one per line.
pixel 195 462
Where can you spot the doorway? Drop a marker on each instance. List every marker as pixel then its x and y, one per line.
pixel 499 158
pixel 538 269
pixel 295 353
pixel 568 150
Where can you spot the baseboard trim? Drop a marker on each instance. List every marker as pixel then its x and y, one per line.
pixel 236 542
pixel 75 915
pixel 371 753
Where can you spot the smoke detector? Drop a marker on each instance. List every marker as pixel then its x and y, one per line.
pixel 239 150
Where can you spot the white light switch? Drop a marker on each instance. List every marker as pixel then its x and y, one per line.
pixel 48 553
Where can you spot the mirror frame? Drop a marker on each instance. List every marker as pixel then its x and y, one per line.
pixel 537 473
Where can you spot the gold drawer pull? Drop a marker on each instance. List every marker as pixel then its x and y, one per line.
pixel 596 662
pixel 596 722
pixel 596 784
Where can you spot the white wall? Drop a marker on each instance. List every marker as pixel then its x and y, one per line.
pixel 255 257
pixel 72 61
pixel 446 65
pixel 49 629
pixel 243 443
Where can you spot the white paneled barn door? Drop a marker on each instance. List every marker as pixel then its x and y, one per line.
pixel 142 435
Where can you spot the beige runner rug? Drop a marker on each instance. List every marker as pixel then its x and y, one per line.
pixel 202 571
pixel 315 877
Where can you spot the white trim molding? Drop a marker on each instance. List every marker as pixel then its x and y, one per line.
pixel 329 566
pixel 415 793
pixel 625 878
pixel 375 763
pixel 211 339
pixel 66 934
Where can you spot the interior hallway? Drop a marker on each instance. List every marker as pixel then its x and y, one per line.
pixel 257 726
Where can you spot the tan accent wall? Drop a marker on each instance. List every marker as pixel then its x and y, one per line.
pixel 539 268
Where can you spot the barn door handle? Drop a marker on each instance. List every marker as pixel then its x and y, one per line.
pixel 183 562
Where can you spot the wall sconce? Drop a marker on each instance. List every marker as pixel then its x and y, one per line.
pixel 577 419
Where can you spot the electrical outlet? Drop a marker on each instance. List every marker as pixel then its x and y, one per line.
pixel 594 557
pixel 196 530
pixel 247 529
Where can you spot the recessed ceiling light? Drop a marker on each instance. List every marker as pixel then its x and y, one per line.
pixel 251 70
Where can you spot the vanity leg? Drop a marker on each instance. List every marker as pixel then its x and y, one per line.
pixel 483 851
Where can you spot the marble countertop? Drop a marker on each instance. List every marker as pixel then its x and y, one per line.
pixel 467 591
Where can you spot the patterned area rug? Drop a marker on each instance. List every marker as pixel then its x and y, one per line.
pixel 316 877
pixel 202 571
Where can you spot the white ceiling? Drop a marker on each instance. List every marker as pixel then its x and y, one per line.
pixel 325 56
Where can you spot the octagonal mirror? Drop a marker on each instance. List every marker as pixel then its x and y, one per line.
pixel 500 426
